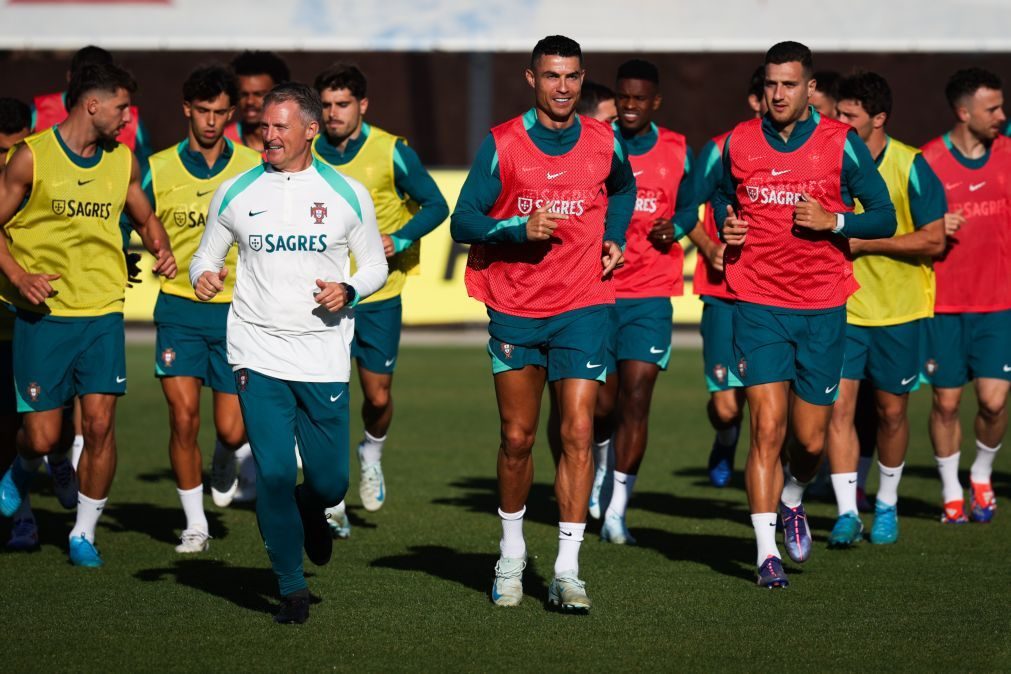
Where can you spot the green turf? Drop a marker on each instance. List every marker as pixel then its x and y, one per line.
pixel 409 590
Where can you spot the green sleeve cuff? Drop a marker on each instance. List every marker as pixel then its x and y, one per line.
pixel 400 244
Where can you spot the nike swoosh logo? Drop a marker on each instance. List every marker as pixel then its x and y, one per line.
pixel 620 481
pixel 829 389
pixel 772 524
pixel 552 176
pixel 567 533
pixel 1007 368
pixel 85 182
pixel 120 380
pixel 973 188
pixel 951 186
pixel 906 381
pixel 253 214
pixel 636 174
pixel 590 365
pixel 779 173
pixel 337 397
pixel 653 349
pixel 203 194
pixel 889 474
pixel 853 481
pixel 390 362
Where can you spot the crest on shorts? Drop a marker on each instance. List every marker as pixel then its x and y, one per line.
pixel 318 212
pixel 59 206
pixel 930 366
pixel 256 241
pixel 742 367
pixel 525 204
pixel 720 372
pixel 34 391
pixel 180 218
pixel 168 356
pixel 242 379
pixel 752 192
pixel 507 350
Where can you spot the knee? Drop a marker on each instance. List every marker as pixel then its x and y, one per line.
pixel 891 418
pixel 517 441
pixel 331 489
pixel 185 422
pixel 275 478
pixel 577 432
pixel 726 409
pixel 98 427
pixel 379 397
pixel 945 410
pixel 231 435
pixel 41 440
pixel 769 433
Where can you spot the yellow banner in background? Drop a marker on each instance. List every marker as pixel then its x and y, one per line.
pixel 436 297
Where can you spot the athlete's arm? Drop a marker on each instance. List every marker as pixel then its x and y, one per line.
pixel 927 205
pixel 470 222
pixel 724 200
pixel 15 182
pixel 711 250
pixel 411 178
pixel 148 226
pixel 207 268
pixel 620 186
pixel 367 248
pixel 862 181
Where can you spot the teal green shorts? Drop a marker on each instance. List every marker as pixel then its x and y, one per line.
pixel 57 358
pixel 806 349
pixel 376 343
pixel 640 330
pixel 570 345
pixel 717 328
pixel 961 347
pixel 887 356
pixel 191 342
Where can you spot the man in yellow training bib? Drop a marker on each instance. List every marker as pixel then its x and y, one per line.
pixel 62 257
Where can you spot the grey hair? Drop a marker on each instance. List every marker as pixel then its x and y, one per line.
pixel 310 106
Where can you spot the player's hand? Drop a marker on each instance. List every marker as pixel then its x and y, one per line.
pixel 331 294
pixel 210 284
pixel 810 215
pixel 953 222
pixel 388 248
pixel 611 259
pixel 661 234
pixel 856 246
pixel 715 256
pixel 35 287
pixel 542 224
pixel 734 229
pixel 165 262
pixel 132 269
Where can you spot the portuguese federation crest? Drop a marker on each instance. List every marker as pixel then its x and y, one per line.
pixel 931 367
pixel 507 350
pixel 34 391
pixel 318 212
pixel 720 373
pixel 168 356
pixel 242 379
pixel 742 367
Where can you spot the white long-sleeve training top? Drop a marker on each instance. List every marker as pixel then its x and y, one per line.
pixel 291 229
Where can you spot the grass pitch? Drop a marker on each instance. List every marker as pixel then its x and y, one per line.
pixel 409 590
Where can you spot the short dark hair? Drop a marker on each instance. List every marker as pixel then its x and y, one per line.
pixel 788 52
pixel 208 82
pixel 104 77
pixel 555 45
pixel 261 63
pixel 870 89
pixel 639 69
pixel 827 82
pixel 591 96
pixel 90 55
pixel 343 76
pixel 967 81
pixel 15 115
pixel 756 87
pixel 309 103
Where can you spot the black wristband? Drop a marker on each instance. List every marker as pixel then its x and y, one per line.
pixel 350 294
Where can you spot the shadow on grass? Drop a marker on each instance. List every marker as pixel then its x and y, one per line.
pixel 474 570
pixel 700 478
pixel 160 523
pixel 482 497
pixel 163 475
pixel 254 589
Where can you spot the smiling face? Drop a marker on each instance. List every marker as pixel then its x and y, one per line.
pixel 208 119
pixel 556 81
pixel 637 101
pixel 787 91
pixel 286 136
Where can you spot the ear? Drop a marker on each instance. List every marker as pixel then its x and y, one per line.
pixel 312 130
pixel 187 109
pixel 531 78
pixel 880 119
pixel 812 87
pixel 363 105
pixel 657 100
pixel 962 113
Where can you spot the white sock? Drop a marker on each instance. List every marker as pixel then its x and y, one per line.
pixel 845 487
pixel 600 451
pixel 24 511
pixel 951 488
pixel 244 452
pixel 983 465
pixel 765 536
pixel 88 511
pixel 30 465
pixel 512 544
pixel 76 449
pixel 793 489
pixel 372 448
pixel 888 485
pixel 570 537
pixel 863 470
pixel 193 506
pixel 727 437
pixel 623 485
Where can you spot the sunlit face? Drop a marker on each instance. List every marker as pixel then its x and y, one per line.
pixel 824 104
pixel 852 112
pixel 286 136
pixel 109 112
pixel 787 91
pixel 208 118
pixel 252 90
pixel 556 81
pixel 9 140
pixel 983 113
pixel 606 112
pixel 342 114
pixel 637 101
